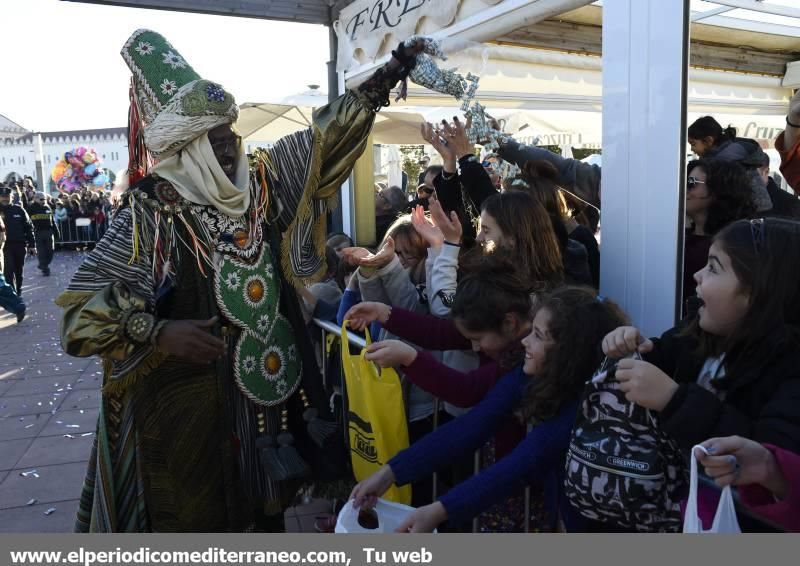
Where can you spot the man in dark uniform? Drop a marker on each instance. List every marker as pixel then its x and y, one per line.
pixel 45 227
pixel 8 298
pixel 19 232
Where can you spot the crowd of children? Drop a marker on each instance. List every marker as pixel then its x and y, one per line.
pixel 487 301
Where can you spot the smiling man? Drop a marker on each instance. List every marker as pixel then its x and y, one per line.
pixel 189 300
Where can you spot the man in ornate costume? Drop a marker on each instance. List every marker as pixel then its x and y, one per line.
pixel 189 301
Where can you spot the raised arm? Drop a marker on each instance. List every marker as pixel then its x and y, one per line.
pixel 542 450
pixel 578 177
pixel 459 388
pixel 460 436
pixel 426 331
pixel 303 171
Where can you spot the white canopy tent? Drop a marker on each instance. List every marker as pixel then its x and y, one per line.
pixel 267 123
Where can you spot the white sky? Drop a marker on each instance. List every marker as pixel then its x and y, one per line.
pixel 61 68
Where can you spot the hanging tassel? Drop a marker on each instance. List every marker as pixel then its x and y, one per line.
pixel 157 256
pixel 270 462
pixel 319 430
pixel 135 226
pixel 290 458
pixel 138 158
pixel 200 249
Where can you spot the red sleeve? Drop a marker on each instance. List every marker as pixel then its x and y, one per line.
pixel 790 162
pixel 426 331
pixel 785 513
pixel 462 389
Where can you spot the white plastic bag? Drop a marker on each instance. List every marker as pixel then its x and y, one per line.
pixel 390 516
pixel 724 519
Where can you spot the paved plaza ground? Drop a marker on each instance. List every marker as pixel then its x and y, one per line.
pixel 48 414
pixel 48 410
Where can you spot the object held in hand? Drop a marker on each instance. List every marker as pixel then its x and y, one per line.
pixel 480 131
pixel 428 74
pixel 368 519
pixel 387 517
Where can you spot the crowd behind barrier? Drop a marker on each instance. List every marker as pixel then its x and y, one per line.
pixel 80 231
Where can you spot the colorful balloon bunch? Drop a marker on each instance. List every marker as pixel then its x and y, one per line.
pixel 77 169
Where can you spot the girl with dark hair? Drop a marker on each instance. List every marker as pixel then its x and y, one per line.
pixel 542 392
pixel 717 193
pixel 707 135
pixel 735 368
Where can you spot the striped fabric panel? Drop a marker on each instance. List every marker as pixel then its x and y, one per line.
pixel 128 481
pixel 84 518
pixel 292 158
pixel 108 263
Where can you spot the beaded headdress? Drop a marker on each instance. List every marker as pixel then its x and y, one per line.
pixel 170 103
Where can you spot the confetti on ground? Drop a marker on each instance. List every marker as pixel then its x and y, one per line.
pixel 32 502
pixel 68 436
pixel 30 474
pixel 50 511
pixel 87 434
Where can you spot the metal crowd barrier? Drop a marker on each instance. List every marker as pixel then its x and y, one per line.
pixel 355 340
pixel 80 231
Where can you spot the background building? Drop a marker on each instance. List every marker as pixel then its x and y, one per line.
pixel 18 149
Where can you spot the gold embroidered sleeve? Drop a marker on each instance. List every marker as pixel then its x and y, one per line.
pixel 112 323
pixel 341 130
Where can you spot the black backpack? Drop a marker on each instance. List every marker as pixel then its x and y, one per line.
pixel 621 469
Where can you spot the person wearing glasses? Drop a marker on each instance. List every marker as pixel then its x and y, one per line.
pixel 717 193
pixel 188 298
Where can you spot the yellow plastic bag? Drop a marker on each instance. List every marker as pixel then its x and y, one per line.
pixel 376 416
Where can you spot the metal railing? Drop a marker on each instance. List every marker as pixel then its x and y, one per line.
pixel 326 328
pixel 80 231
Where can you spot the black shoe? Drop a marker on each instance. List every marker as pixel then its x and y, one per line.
pixel 46 272
pixel 21 313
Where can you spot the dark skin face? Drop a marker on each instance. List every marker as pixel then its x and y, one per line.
pixel 225 145
pixel 5 200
